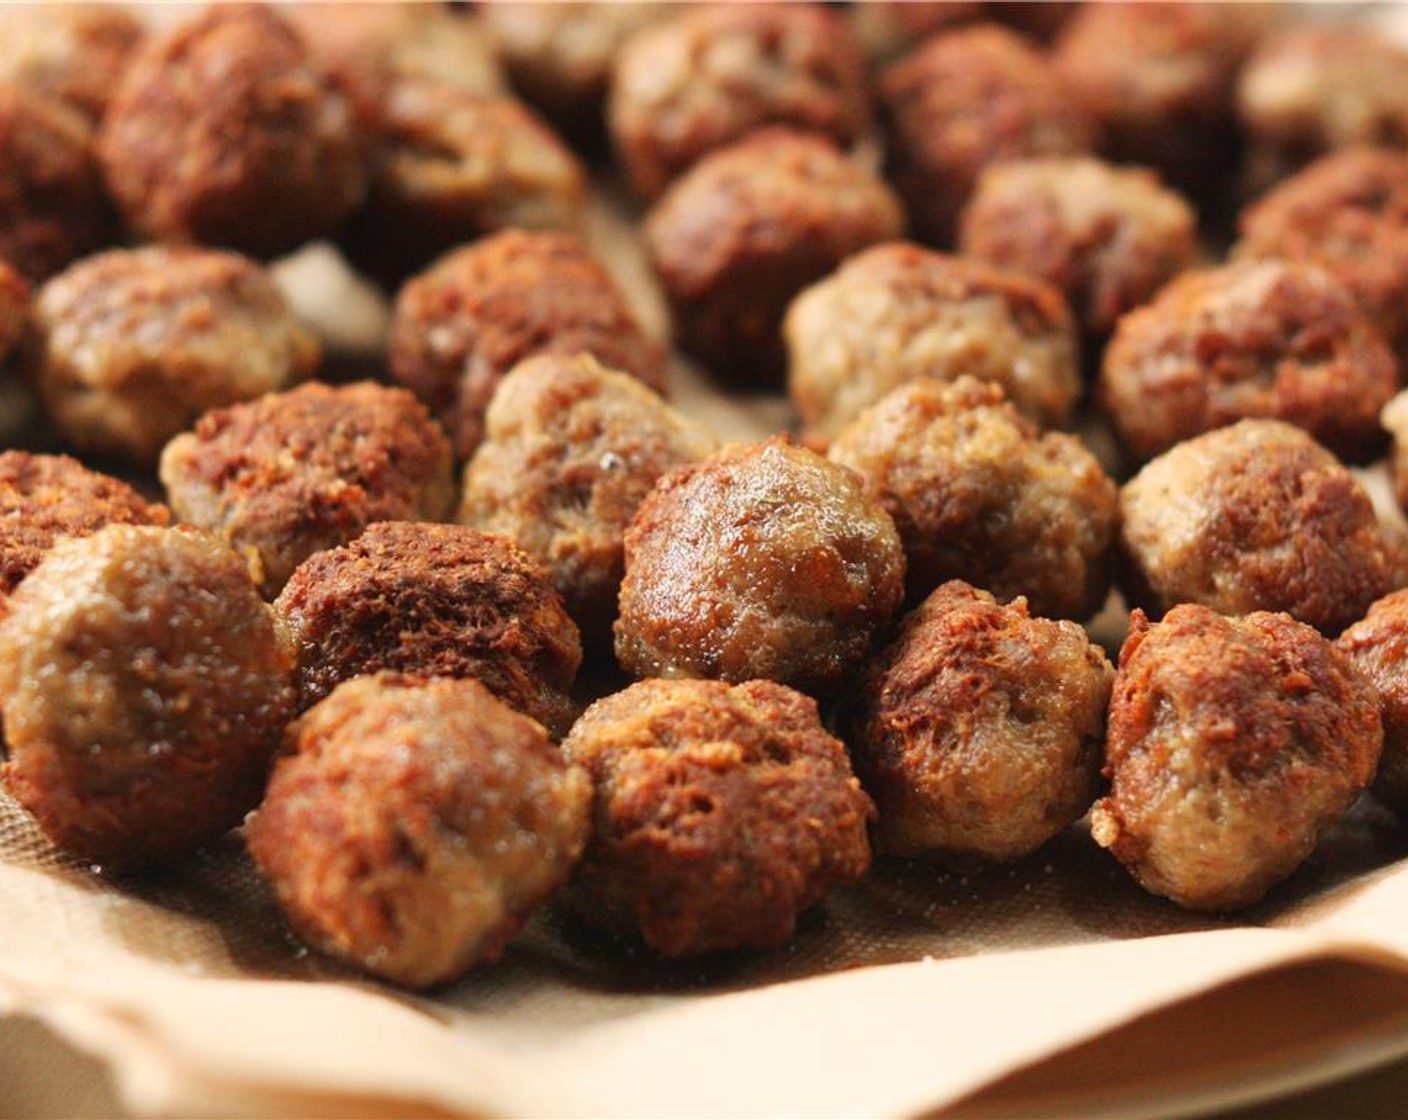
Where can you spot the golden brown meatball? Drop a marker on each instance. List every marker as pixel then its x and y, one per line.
pixel 1255 516
pixel 764 561
pixel 76 53
pixel 978 493
pixel 132 345
pixel 721 813
pixel 465 322
pixel 963 100
pixel 1108 237
pixel 292 473
pixel 750 226
pixel 223 132
pixel 979 730
pixel 1378 646
pixel 1233 744
pixel 571 449
pixel 897 312
pixel 413 825
pixel 143 689
pixel 434 600
pixel 1273 339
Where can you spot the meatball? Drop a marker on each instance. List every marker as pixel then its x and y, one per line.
pixel 76 53
pixel 1255 516
pixel 464 323
pixel 293 473
pixel 764 560
pixel 1378 646
pixel 887 29
pixel 897 312
pixel 412 826
pixel 1395 419
pixel 223 132
pixel 721 812
pixel 1233 744
pixel 1108 237
pixel 144 689
pixel 979 730
pixel 1273 339
pixel 978 493
pixel 434 600
pixel 963 100
pixel 750 226
pixel 132 345
pixel 14 309
pixel 571 450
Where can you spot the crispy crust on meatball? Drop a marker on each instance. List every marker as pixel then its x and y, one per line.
pixel 76 53
pixel 1378 646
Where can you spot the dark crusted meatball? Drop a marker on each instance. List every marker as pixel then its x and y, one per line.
pixel 965 99
pixel 979 730
pixel 1233 744
pixel 710 76
pixel 144 689
pixel 292 473
pixel 1274 339
pixel 14 309
pixel 898 312
pixel 463 324
pixel 412 826
pixel 76 53
pixel 1378 645
pixel 1108 237
pixel 721 813
pixel 764 560
pixel 224 133
pixel 978 493
pixel 1256 516
pixel 130 346
pixel 436 600
pixel 570 451
pixel 750 226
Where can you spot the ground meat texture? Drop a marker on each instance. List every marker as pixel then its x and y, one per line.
pixel 1233 744
pixel 750 226
pixel 1273 339
pixel 412 826
pixel 1255 516
pixel 464 323
pixel 1108 237
pixel 572 449
pixel 710 76
pixel 76 53
pixel 762 561
pixel 433 600
pixel 293 473
pixel 14 309
pixel 223 132
pixel 963 100
pixel 1378 646
pixel 721 813
pixel 144 689
pixel 130 346
pixel 898 312
pixel 978 493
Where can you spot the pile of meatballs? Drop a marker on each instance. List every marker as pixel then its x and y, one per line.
pixel 1066 298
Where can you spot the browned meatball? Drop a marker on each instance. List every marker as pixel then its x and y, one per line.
pixel 979 730
pixel 52 204
pixel 76 53
pixel 887 29
pixel 1256 516
pixel 764 560
pixel 1348 213
pixel 1378 646
pixel 1233 744
pixel 14 308
pixel 143 689
pixel 571 449
pixel 978 493
pixel 436 600
pixel 965 99
pixel 897 312
pixel 1108 237
pixel 750 226
pixel 292 473
pixel 132 345
pixel 1274 339
pixel 412 826
pixel 224 133
pixel 721 813
pixel 710 76
pixel 464 323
